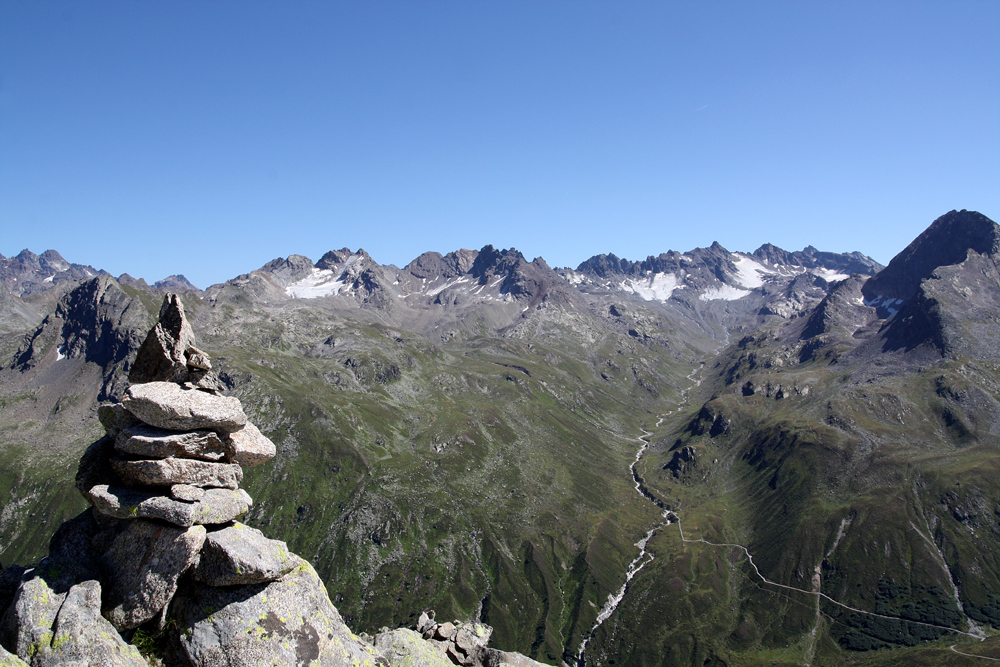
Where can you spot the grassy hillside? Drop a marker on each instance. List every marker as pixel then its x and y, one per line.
pixel 877 489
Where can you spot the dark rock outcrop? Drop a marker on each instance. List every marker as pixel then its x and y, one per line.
pixel 946 242
pixel 432 265
pixel 96 322
pixel 841 310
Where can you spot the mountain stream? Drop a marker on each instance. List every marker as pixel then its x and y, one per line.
pixel 640 561
pixel 670 517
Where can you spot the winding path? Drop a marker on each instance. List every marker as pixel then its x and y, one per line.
pixel 670 516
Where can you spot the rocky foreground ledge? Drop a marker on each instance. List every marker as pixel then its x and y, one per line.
pixel 161 553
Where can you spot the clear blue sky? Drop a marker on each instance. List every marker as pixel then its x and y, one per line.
pixel 206 138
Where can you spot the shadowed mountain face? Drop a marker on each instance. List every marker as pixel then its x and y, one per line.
pixel 949 241
pixel 457 435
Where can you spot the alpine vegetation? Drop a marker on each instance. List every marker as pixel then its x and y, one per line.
pixel 697 458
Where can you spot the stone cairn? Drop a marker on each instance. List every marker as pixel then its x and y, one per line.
pixel 170 466
pixel 161 547
pixel 435 644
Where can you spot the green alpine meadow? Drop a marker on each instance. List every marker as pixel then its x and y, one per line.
pixel 707 458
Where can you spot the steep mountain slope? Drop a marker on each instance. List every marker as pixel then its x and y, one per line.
pixel 850 455
pixel 51 381
pixel 15 314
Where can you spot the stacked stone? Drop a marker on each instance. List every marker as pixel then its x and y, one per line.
pixel 435 644
pixel 162 537
pixel 462 643
pixel 164 481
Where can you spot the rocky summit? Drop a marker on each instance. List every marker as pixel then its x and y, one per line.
pixel 161 552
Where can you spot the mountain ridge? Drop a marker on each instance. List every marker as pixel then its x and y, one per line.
pixel 446 442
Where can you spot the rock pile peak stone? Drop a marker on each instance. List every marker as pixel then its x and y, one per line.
pixel 167 473
pixel 169 354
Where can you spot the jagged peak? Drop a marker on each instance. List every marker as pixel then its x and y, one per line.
pixel 26 256
pixel 947 241
pixel 334 258
pixel 176 283
pixel 491 261
pixel 541 263
pixel 432 264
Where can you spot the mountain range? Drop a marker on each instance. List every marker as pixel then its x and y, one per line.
pixel 803 444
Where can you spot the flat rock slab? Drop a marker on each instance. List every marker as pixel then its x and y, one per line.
pixel 158 443
pixel 115 418
pixel 167 472
pixel 216 506
pixel 186 492
pixel 242 555
pixel 141 569
pixel 287 622
pixel 249 447
pixel 406 647
pixel 169 406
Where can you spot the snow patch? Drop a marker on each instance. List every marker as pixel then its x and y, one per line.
pixel 829 275
pixel 49 279
pixel 61 353
pixel 322 282
pixel 884 302
pixel 724 292
pixel 749 271
pixel 658 287
pixel 319 283
pixel 437 290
